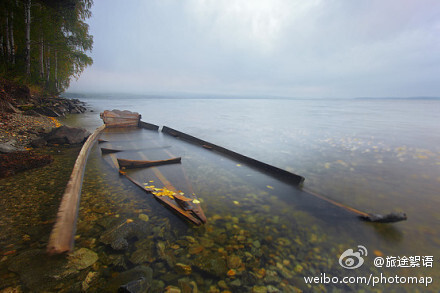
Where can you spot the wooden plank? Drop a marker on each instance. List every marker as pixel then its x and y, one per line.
pixel 111 150
pixel 63 233
pixel 284 175
pixel 130 164
pixel 148 126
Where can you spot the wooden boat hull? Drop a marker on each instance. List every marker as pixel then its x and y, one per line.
pixel 165 179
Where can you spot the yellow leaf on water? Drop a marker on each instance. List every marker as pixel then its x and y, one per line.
pixel 238 165
pixel 196 201
pixel 236 202
pixel 151 181
pixel 270 187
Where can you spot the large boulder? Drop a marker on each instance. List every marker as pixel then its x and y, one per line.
pixel 67 135
pixel 9 147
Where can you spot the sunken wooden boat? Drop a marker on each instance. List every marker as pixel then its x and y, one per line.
pixel 168 188
pixel 164 179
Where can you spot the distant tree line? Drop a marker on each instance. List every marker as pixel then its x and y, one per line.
pixel 44 42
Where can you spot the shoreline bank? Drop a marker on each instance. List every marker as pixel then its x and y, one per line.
pixel 26 121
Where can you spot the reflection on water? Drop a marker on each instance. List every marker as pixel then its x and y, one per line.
pixel 261 235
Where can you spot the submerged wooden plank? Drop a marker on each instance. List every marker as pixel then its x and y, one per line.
pixel 110 150
pixel 284 175
pixel 149 126
pixel 63 233
pixel 130 164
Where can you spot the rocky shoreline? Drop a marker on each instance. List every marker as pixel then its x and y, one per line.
pixel 29 120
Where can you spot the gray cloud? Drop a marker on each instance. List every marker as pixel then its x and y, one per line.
pixel 278 47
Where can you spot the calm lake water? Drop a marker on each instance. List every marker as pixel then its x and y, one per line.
pixel 378 156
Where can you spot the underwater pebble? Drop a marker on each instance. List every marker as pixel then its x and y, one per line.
pixel 144 217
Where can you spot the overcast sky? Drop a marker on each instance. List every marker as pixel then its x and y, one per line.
pixel 294 48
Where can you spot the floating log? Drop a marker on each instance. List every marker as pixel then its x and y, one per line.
pixel 131 164
pixel 279 173
pixel 63 233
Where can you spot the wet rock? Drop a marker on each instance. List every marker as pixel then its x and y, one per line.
pixel 38 271
pixel 172 289
pixel 8 147
pixel 235 283
pixel 144 252
pixel 249 278
pixel 234 261
pixel 157 286
pixel 91 276
pixel 195 249
pixel 137 286
pixel 272 277
pixel 46 111
pixel 284 273
pixel 256 244
pixel 38 142
pixel 187 286
pixel 272 289
pixel 206 242
pixel 213 289
pixel 141 256
pixel 82 258
pixel 222 284
pixel 212 264
pixel 144 217
pixel 165 254
pixel 183 269
pixel 67 135
pixel 132 275
pixel 117 261
pixel 259 289
pixel 117 237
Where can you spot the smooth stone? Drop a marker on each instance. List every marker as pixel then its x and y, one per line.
pixel 259 289
pixel 144 217
pixel 82 258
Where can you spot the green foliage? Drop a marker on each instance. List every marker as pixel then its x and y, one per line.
pixel 59 42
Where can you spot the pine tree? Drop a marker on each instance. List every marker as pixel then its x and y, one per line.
pixel 45 42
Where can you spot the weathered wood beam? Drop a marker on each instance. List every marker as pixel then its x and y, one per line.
pixel 63 233
pixel 131 164
pixel 275 171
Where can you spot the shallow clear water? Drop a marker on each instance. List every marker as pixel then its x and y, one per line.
pixel 377 156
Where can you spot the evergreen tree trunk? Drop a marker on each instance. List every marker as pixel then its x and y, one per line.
pixel 41 57
pixel 8 44
pixel 47 66
pixel 27 11
pixel 56 71
pixel 11 28
pixel 3 47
